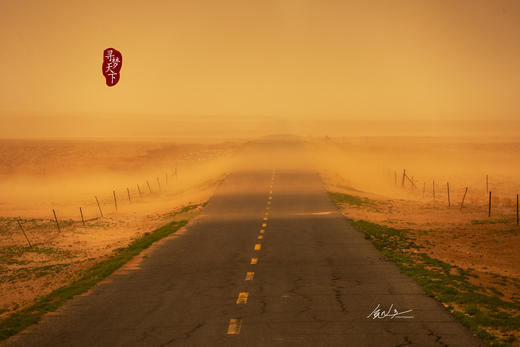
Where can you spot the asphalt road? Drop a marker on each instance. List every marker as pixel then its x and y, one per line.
pixel 269 262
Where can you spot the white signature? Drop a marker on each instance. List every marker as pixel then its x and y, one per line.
pixel 380 314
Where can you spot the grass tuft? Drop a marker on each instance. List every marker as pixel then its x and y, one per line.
pixel 481 309
pixel 51 302
pixel 340 198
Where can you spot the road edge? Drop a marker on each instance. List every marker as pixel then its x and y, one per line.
pixel 51 302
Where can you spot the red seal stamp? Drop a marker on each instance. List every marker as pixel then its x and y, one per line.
pixel 112 61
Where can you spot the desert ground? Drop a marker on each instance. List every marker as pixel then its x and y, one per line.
pixel 373 168
pixel 39 176
pixel 382 180
pixel 366 175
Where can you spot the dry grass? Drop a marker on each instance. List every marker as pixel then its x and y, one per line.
pixel 61 175
pixel 462 257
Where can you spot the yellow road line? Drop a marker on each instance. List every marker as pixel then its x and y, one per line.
pixel 265 218
pixel 262 231
pixel 242 298
pixel 249 276
pixel 264 225
pixel 234 326
pixel 270 198
pixel 258 247
pixel 260 237
pixel 254 261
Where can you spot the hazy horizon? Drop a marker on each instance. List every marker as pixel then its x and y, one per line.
pixel 239 69
pixel 209 128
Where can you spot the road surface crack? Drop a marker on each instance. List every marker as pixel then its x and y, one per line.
pixel 186 335
pixel 264 306
pixel 437 338
pixel 337 293
pixel 406 342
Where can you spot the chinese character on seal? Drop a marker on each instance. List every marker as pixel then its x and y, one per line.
pixel 112 61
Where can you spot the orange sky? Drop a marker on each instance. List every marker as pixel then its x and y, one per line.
pixel 281 61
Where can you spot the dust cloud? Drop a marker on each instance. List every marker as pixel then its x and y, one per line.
pixel 40 175
pixel 375 164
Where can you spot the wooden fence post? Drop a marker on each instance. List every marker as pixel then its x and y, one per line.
pixel 115 199
pixel 24 234
pixel 463 197
pixel 489 206
pixel 82 219
pixel 56 219
pixel 99 207
pixel 448 188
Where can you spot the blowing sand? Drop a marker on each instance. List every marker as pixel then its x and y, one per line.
pixel 39 176
pixel 366 168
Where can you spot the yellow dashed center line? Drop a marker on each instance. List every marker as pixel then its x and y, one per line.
pixel 234 326
pixel 235 323
pixel 242 298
